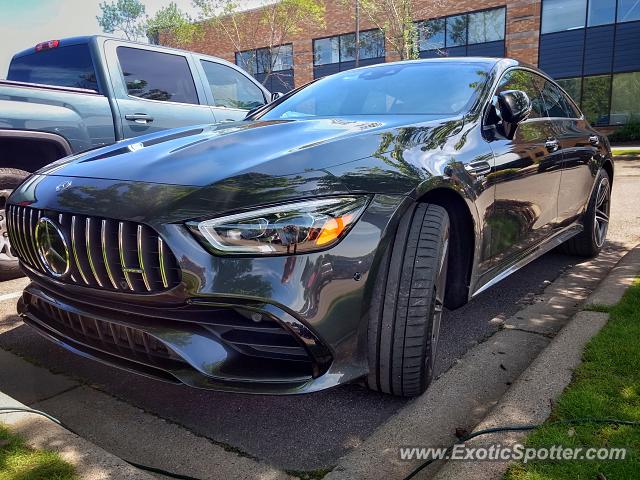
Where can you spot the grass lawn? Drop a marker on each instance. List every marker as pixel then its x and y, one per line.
pixel 627 154
pixel 606 385
pixel 19 462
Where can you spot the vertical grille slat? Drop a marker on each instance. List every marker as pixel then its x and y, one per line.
pixel 87 238
pixel 16 226
pixel 141 254
pixel 32 230
pixel 121 251
pixel 74 248
pixel 105 253
pixel 163 266
pixel 33 254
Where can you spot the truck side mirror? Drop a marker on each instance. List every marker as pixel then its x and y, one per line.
pixel 276 95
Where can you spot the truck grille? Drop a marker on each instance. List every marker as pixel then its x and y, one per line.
pixel 103 253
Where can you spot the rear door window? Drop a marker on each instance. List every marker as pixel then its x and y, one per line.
pixel 69 66
pixel 230 88
pixel 558 106
pixel 157 76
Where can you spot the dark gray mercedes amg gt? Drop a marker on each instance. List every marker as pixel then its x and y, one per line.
pixel 318 241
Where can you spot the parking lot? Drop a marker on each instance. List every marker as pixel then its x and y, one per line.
pixel 295 433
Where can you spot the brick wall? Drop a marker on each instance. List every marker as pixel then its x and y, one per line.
pixel 523 27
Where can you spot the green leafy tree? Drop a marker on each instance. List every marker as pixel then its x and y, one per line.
pixel 177 23
pixel 274 22
pixel 126 16
pixel 396 20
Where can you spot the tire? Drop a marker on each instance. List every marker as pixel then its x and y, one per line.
pixel 589 242
pixel 10 178
pixel 406 309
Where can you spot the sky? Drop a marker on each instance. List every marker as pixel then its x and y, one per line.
pixel 24 23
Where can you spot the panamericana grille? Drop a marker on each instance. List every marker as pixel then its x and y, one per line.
pixel 104 253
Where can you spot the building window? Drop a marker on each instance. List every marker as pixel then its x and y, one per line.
pixel 273 67
pixel 326 51
pixel 342 48
pixel 560 15
pixel 431 34
pixel 595 99
pixel 601 12
pixel 625 97
pixel 475 28
pixel 487 26
pixel 266 60
pixel 628 10
pixel 456 31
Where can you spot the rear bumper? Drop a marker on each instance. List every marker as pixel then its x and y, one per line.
pixel 220 347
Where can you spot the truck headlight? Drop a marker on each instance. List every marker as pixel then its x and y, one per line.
pixel 288 229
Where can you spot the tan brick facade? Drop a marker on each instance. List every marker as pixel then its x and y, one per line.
pixel 522 36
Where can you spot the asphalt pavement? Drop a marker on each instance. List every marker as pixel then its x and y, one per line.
pixel 311 431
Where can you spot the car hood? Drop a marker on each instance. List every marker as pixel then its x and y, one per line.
pixel 204 155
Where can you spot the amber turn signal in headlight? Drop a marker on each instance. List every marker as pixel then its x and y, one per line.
pixel 292 228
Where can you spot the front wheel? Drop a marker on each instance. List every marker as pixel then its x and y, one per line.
pixel 406 309
pixel 589 242
pixel 10 178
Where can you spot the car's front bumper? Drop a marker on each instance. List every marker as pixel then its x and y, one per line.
pixel 289 324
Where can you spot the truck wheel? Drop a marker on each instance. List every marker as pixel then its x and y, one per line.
pixel 406 309
pixel 10 178
pixel 589 242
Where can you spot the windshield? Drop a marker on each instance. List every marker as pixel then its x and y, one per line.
pixel 420 88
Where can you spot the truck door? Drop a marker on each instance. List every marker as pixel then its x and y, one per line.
pixel 155 89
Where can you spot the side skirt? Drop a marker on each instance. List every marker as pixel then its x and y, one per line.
pixel 492 277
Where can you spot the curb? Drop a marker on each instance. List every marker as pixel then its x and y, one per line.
pixel 91 462
pixel 531 398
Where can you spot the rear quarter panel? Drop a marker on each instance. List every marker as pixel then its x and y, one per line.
pixel 83 119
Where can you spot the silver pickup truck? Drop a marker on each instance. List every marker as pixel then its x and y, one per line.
pixel 66 96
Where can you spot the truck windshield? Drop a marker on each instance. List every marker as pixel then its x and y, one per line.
pixel 412 88
pixel 70 66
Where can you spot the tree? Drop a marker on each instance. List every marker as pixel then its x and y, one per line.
pixel 126 16
pixel 276 22
pixel 181 26
pixel 395 18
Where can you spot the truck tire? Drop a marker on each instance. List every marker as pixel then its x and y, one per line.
pixel 10 178
pixel 589 242
pixel 408 299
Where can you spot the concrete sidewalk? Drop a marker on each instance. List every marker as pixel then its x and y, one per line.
pixel 91 462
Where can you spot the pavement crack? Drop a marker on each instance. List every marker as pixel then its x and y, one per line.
pixel 525 330
pixel 49 397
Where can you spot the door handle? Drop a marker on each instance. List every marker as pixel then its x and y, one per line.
pixel 594 140
pixel 142 118
pixel 552 145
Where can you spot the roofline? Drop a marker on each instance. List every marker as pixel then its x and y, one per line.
pixel 78 40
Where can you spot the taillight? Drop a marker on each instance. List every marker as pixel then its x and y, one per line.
pixel 47 45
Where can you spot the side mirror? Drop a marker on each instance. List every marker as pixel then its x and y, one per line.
pixel 276 95
pixel 515 106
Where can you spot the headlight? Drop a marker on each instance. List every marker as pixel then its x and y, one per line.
pixel 299 227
